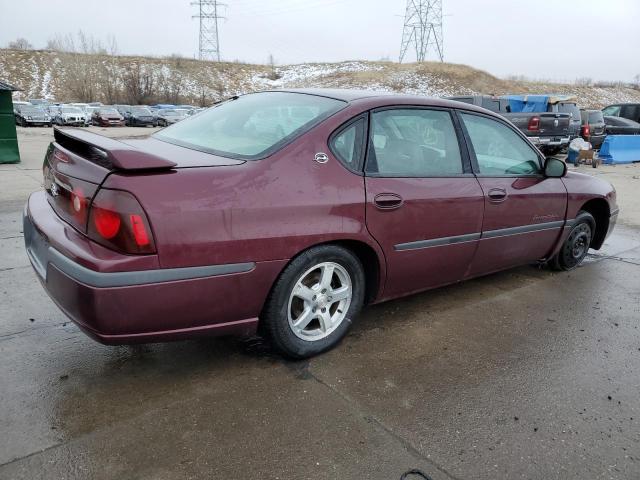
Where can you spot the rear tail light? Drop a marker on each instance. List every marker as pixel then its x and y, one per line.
pixel 534 124
pixel 586 131
pixel 117 221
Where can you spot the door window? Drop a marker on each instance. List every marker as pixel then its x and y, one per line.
pixel 612 111
pixel 499 150
pixel 631 112
pixel 413 143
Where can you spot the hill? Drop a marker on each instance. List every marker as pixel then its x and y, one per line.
pixel 110 79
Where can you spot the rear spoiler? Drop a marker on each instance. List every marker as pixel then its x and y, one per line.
pixel 107 152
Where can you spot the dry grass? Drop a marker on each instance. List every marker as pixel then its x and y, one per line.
pixel 178 79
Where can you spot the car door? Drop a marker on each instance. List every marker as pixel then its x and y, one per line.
pixel 423 204
pixel 524 211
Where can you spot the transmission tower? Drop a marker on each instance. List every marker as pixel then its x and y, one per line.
pixel 422 29
pixel 209 41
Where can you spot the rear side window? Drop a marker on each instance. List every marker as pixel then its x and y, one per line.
pixel 490 104
pixel 348 144
pixel 413 143
pixel 498 149
pixel 251 126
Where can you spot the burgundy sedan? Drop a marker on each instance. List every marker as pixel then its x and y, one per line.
pixel 287 211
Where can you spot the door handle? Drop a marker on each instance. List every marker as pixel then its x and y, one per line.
pixel 387 201
pixel 497 195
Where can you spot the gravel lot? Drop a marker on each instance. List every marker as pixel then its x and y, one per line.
pixel 521 374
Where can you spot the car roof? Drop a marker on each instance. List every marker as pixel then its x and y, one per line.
pixel 385 98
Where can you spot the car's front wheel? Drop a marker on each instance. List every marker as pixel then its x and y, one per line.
pixel 576 246
pixel 314 301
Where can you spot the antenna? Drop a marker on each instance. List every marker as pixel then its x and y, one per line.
pixel 422 29
pixel 209 40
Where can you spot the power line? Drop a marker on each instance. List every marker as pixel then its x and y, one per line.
pixel 209 38
pixel 422 29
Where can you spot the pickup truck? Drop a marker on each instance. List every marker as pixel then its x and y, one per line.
pixel 550 131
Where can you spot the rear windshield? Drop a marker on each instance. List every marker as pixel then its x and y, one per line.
pixel 595 117
pixel 252 126
pixel 571 108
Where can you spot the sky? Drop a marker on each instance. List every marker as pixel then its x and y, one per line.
pixel 561 40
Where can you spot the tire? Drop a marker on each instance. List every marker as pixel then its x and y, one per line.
pixel 302 287
pixel 576 246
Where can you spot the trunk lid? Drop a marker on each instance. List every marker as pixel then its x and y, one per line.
pixel 77 163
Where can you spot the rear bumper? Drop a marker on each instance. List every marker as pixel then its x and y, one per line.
pixel 140 306
pixel 550 141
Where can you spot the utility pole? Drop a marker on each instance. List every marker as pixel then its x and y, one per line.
pixel 422 29
pixel 209 40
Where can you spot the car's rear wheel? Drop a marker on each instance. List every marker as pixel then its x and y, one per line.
pixel 314 301
pixel 576 246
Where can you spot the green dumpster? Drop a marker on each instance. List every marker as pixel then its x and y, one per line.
pixel 8 139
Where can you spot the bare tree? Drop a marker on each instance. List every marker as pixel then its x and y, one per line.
pixel 109 77
pixel 139 84
pixel 20 44
pixel 273 74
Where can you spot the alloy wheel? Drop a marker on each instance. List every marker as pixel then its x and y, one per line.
pixel 319 301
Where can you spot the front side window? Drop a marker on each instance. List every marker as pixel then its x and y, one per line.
pixel 499 150
pixel 612 111
pixel 251 126
pixel 413 143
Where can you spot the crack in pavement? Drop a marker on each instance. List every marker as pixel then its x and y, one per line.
pixel 372 419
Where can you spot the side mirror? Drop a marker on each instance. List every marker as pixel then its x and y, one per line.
pixel 554 168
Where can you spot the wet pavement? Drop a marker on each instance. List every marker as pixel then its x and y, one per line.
pixel 522 374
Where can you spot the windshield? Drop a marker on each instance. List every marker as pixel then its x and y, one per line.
pixel 251 126
pixel 71 110
pixel 109 111
pixel 141 111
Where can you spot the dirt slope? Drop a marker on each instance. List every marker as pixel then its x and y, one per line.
pixel 127 79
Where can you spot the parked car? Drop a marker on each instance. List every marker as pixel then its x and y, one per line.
pixel 593 127
pixel 89 111
pixel 122 109
pixel 212 226
pixel 17 104
pixel 53 111
pixel 625 110
pixel 621 126
pixel 140 117
pixel 168 116
pixel 70 116
pixel 550 131
pixel 107 117
pixel 32 116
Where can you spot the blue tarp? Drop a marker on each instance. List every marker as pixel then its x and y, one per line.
pixel 620 149
pixel 527 103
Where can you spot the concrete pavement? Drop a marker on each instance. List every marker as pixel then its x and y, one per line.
pixel 522 374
